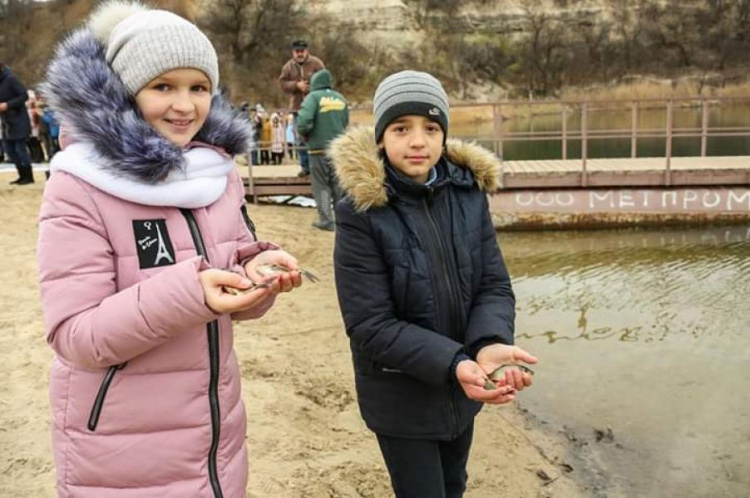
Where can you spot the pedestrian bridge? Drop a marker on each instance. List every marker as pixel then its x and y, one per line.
pixel 711 185
pixel 263 181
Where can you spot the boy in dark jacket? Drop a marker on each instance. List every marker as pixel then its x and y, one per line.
pixel 324 115
pixel 423 289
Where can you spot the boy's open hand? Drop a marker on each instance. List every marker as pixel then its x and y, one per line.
pixel 214 281
pixel 493 356
pixel 280 282
pixel 471 377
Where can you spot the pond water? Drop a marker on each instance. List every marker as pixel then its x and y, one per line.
pixel 655 119
pixel 644 344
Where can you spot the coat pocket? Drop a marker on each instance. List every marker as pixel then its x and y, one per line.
pixel 96 410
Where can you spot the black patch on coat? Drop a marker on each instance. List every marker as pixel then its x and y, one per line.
pixel 153 244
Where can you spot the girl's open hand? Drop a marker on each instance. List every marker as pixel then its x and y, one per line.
pixel 281 282
pixel 472 378
pixel 219 300
pixel 491 357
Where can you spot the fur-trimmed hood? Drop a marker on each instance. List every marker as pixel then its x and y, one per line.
pixel 92 105
pixel 362 175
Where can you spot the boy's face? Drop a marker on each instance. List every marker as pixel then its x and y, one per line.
pixel 413 145
pixel 176 103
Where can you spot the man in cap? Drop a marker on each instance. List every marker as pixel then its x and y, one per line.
pixel 295 81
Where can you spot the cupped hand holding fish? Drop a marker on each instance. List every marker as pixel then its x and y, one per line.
pixel 503 366
pixel 472 379
pixel 263 268
pixel 215 283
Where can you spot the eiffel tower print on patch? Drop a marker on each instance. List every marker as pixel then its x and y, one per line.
pixel 153 244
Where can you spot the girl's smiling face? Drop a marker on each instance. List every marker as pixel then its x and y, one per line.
pixel 413 145
pixel 176 103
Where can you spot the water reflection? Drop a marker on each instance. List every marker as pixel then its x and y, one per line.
pixel 644 332
pixel 629 285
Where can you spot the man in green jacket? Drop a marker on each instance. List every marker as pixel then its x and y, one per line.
pixel 324 115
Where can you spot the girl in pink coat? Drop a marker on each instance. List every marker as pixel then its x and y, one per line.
pixel 143 236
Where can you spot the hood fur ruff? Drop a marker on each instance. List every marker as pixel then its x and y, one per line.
pixel 92 104
pixel 361 171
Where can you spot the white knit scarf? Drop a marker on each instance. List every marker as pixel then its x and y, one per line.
pixel 199 184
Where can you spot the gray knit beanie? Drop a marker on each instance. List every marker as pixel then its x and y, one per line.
pixel 142 43
pixel 409 93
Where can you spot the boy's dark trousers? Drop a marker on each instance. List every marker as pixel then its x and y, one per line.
pixel 421 468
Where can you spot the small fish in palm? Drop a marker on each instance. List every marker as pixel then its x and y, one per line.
pixel 269 271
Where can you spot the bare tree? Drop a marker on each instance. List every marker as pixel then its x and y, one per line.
pixel 542 49
pixel 252 38
pixel 15 20
pixel 356 67
pixel 248 28
pixel 628 32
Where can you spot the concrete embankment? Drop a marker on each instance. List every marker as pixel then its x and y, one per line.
pixel 618 207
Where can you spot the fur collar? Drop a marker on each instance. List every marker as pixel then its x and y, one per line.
pixel 93 106
pixel 362 175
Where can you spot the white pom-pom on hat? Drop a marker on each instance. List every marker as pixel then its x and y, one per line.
pixel 110 14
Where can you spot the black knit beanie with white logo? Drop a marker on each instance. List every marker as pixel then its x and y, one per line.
pixel 409 93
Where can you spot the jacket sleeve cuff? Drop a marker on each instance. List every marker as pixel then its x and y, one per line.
pixel 460 356
pixel 476 347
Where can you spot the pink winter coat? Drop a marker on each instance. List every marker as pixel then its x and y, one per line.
pixel 145 387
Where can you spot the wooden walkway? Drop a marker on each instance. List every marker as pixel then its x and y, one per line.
pixel 627 172
pixel 282 179
pixel 621 172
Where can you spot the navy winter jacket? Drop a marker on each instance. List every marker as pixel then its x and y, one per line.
pixel 420 278
pixel 15 120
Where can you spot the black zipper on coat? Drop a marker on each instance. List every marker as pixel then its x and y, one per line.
pixel 96 410
pixel 453 297
pixel 248 221
pixel 212 329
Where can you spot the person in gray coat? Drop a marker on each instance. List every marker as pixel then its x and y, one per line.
pixel 15 123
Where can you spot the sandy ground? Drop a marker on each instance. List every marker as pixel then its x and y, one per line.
pixel 305 434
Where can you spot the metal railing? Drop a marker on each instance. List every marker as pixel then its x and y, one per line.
pixel 585 133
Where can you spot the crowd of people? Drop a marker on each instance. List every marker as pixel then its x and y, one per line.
pixel 272 136
pixel 147 255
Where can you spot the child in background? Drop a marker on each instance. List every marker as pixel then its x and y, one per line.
pixel 423 289
pixel 143 239
pixel 291 138
pixel 49 129
pixel 34 141
pixel 257 125
pixel 278 139
pixel 265 139
pixel 252 154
